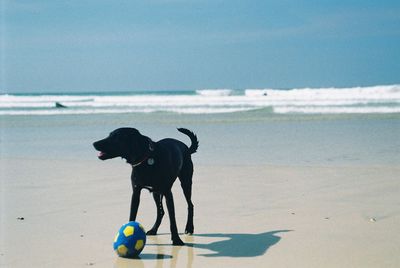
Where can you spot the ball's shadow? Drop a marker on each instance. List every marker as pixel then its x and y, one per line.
pixel 147 256
pixel 140 261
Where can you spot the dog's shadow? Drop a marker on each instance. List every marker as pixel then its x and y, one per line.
pixel 239 245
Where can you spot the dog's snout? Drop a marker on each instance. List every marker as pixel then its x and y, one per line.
pixel 97 145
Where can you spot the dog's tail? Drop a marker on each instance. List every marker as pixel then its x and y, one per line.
pixel 193 138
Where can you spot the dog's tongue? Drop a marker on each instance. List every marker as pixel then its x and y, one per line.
pixel 101 154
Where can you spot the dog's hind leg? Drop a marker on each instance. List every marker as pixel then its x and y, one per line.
pixel 171 213
pixel 160 213
pixel 187 190
pixel 186 183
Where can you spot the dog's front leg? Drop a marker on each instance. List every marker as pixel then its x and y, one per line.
pixel 160 213
pixel 171 212
pixel 135 203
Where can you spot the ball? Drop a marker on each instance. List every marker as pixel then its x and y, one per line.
pixel 130 240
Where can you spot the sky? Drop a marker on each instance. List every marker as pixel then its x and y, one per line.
pixel 99 45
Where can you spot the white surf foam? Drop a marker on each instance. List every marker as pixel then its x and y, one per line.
pixel 356 93
pixel 335 110
pixel 378 99
pixel 214 92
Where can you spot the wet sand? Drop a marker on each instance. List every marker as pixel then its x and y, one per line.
pixel 64 213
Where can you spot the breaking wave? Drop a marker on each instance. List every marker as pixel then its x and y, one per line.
pixel 359 100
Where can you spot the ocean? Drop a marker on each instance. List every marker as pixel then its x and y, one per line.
pixel 356 100
pixel 326 126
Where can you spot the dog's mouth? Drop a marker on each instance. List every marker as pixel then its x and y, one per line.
pixel 102 155
pixel 104 151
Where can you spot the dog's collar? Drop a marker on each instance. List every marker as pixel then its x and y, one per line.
pixel 150 161
pixel 141 161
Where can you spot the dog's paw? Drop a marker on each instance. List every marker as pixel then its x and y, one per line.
pixel 177 242
pixel 189 229
pixel 189 232
pixel 151 232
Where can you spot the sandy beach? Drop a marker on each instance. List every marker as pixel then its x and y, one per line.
pixel 61 207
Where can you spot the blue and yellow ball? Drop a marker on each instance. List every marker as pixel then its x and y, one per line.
pixel 130 240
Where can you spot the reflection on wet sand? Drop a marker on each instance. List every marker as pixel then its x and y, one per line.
pixel 165 253
pixel 235 245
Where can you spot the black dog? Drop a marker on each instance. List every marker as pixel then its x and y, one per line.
pixel 155 166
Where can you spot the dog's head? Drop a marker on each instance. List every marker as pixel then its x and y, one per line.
pixel 127 143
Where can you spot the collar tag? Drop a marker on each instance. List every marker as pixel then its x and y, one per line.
pixel 150 161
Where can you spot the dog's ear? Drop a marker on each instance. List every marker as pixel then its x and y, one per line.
pixel 147 143
pixel 140 145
